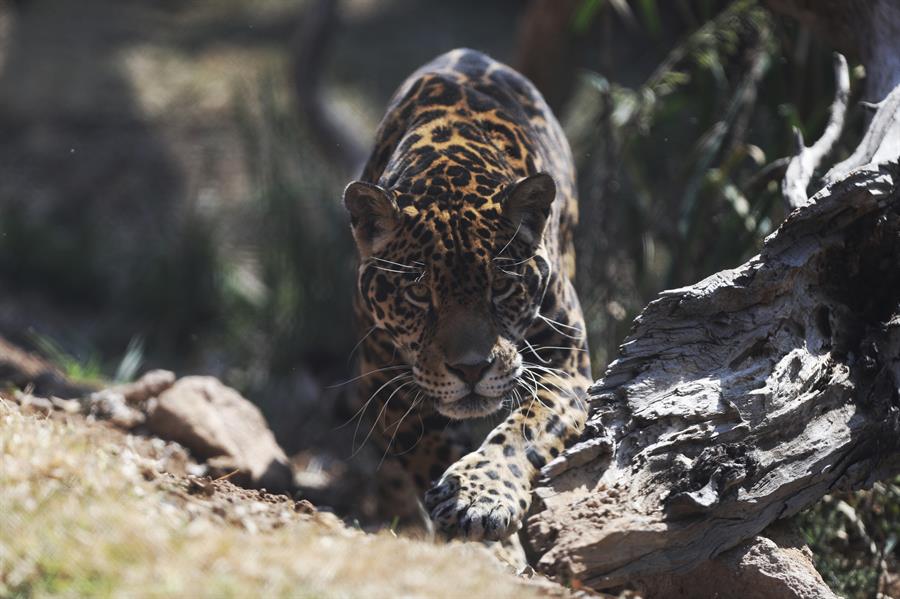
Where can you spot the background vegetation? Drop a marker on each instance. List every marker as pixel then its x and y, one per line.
pixel 164 202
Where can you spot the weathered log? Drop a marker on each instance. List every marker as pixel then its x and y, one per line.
pixel 746 397
pixel 740 399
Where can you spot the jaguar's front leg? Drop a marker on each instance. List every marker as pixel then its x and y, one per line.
pixel 486 494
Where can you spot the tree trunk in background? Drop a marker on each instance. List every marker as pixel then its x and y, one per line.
pixel 746 397
pixel 308 54
pixel 545 52
pixel 868 30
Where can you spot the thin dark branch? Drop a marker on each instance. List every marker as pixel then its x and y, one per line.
pixel 310 49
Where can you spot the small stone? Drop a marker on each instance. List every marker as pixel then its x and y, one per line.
pixel 201 486
pixel 109 404
pixel 36 405
pixel 304 507
pixel 69 406
pixel 220 426
pixel 151 384
pixel 196 469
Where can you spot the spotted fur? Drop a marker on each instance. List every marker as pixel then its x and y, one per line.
pixel 463 219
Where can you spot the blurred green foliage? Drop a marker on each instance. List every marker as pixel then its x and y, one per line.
pixel 302 247
pixel 680 173
pixel 854 536
pixel 88 370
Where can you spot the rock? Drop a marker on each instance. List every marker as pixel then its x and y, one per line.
pixel 216 423
pixel 69 406
pixel 109 404
pixel 760 568
pixel 126 405
pixel 35 405
pixel 151 384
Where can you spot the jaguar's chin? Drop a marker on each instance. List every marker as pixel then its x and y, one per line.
pixel 470 406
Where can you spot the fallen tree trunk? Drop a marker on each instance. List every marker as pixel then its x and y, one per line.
pixel 745 397
pixel 741 399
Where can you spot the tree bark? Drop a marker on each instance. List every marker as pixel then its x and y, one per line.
pixel 741 399
pixel 745 397
pixel 545 48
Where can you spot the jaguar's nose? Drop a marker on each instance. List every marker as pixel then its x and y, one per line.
pixel 470 373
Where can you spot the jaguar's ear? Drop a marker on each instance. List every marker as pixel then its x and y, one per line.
pixel 527 205
pixel 373 215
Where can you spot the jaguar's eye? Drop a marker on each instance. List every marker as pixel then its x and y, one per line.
pixel 502 286
pixel 417 294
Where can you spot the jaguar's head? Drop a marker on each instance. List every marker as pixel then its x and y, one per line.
pixel 456 284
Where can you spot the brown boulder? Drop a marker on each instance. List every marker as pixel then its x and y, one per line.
pixel 217 424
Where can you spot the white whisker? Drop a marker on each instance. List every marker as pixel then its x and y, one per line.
pixel 503 249
pixel 553 325
pixel 402 272
pixel 397 264
pixel 412 406
pixel 362 410
pixel 510 273
pixel 360 342
pixel 378 417
pixel 560 347
pixel 549 369
pixel 535 352
pixel 365 374
pixel 540 384
pixel 515 263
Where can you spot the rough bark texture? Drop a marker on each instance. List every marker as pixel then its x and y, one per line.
pixel 746 397
pixel 741 399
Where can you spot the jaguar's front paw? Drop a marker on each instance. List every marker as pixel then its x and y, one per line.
pixel 479 499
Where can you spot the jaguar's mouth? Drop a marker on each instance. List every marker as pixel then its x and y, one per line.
pixel 472 405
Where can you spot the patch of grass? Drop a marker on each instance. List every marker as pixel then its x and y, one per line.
pixel 88 370
pixel 81 519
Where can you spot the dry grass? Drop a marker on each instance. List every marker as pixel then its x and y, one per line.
pixel 85 515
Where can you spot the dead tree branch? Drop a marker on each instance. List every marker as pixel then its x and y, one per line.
pixel 881 142
pixel 801 167
pixel 745 397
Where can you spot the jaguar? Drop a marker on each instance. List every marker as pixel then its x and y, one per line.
pixel 463 220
